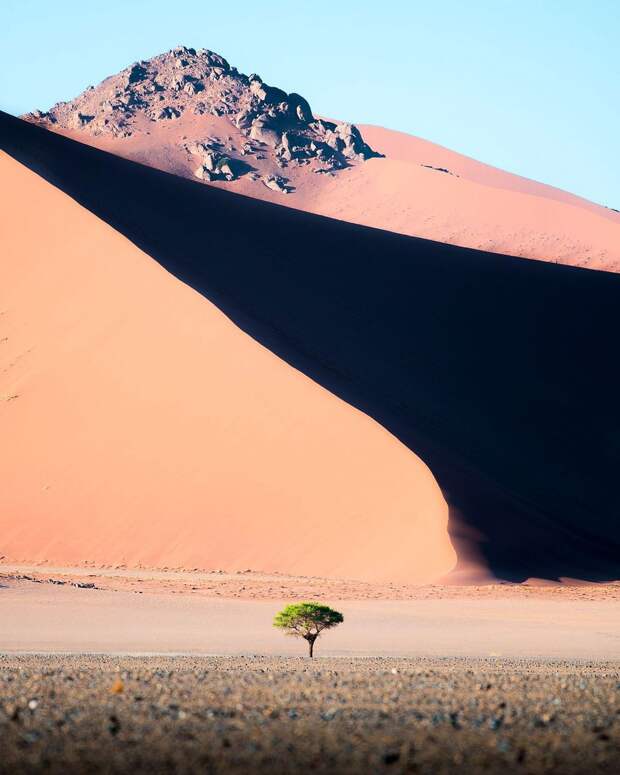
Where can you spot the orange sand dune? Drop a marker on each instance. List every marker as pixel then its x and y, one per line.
pixel 400 146
pixel 140 426
pixel 496 371
pixel 475 206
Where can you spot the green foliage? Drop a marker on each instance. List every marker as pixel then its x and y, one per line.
pixel 307 620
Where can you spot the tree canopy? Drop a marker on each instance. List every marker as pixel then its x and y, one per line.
pixel 307 620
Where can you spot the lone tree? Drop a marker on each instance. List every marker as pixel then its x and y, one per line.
pixel 307 620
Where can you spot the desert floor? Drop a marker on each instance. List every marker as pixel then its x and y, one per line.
pixel 115 670
pixel 104 714
pixel 162 612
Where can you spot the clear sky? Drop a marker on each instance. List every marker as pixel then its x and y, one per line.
pixel 532 86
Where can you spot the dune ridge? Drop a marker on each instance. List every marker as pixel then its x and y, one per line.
pixel 190 113
pixel 141 427
pixel 479 363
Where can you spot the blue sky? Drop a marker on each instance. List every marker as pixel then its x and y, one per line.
pixel 532 86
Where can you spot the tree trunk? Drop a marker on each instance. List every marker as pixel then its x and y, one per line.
pixel 311 645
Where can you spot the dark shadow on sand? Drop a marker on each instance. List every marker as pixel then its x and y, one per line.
pixel 501 373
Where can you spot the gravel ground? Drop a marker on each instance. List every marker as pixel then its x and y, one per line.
pixel 105 714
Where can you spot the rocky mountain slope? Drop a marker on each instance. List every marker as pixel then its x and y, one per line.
pixel 190 113
pixel 270 123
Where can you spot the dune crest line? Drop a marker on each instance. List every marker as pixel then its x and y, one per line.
pixel 499 372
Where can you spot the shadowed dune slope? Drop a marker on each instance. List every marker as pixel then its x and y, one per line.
pixel 141 426
pixel 499 372
pixel 419 189
pixel 423 190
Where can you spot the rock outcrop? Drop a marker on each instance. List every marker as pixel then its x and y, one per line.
pixel 185 81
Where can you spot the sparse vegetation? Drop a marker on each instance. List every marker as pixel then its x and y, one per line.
pixel 307 621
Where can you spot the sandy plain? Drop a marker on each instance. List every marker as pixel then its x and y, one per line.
pixel 46 610
pixel 133 670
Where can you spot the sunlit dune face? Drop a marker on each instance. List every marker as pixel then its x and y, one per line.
pixel 142 426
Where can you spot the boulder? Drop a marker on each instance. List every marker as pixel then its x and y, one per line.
pixel 322 127
pixel 211 59
pixel 215 166
pixel 324 153
pixel 334 140
pixel 180 51
pixel 259 91
pixel 193 87
pixel 136 73
pixel 82 120
pixel 225 167
pixel 285 150
pixel 265 130
pixel 196 149
pixel 244 119
pixel 210 160
pixel 268 94
pixel 276 183
pixel 168 112
pixel 202 173
pixel 351 138
pixel 296 145
pixel 301 108
pixel 354 144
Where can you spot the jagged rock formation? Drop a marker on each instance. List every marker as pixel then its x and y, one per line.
pixel 191 114
pixel 201 83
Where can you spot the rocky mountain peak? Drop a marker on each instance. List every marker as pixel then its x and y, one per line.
pixel 186 81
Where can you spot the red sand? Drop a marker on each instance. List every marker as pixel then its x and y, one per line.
pixel 482 208
pixel 141 426
pixel 476 206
